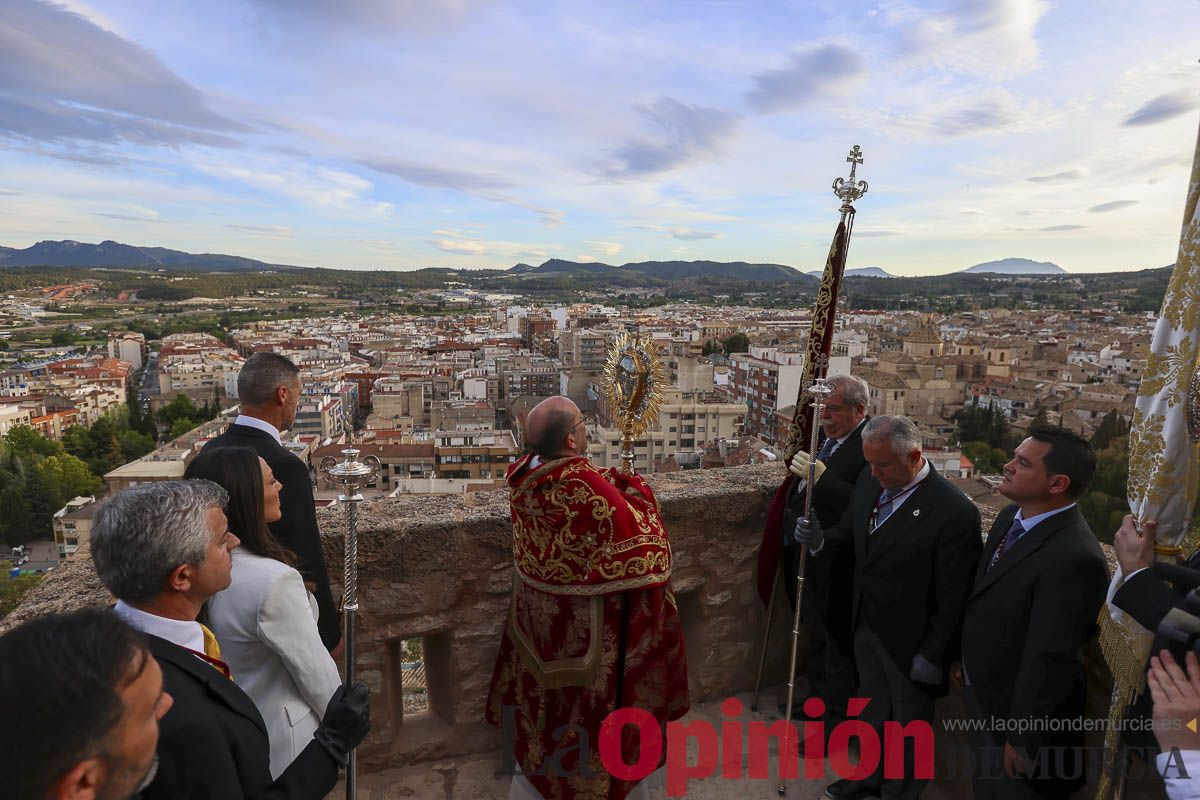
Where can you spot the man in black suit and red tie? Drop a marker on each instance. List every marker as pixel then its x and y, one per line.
pixel 1038 590
pixel 163 549
pixel 269 391
pixel 916 542
pixel 827 581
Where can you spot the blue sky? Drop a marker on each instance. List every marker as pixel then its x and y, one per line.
pixel 397 134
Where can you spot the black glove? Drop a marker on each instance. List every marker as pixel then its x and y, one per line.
pixel 808 531
pixel 346 723
pixel 925 671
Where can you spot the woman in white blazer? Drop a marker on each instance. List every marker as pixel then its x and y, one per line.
pixel 266 621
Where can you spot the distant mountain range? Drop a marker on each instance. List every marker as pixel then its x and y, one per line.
pixel 114 254
pixel 69 253
pixel 857 272
pixel 1017 266
pixel 666 270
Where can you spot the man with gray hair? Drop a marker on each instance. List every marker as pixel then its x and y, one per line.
pixel 916 542
pixel 163 549
pixel 837 467
pixel 269 391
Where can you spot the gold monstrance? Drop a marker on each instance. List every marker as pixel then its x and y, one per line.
pixel 634 378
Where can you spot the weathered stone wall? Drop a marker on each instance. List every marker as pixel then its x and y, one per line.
pixel 440 569
pixel 443 572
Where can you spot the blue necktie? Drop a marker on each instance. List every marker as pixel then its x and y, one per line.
pixel 885 509
pixel 1015 532
pixel 826 449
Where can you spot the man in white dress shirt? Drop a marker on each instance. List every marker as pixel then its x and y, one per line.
pixel 163 549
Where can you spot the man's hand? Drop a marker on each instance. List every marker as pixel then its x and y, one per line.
pixel 800 464
pixel 957 674
pixel 346 723
pixel 1134 550
pixel 1016 765
pixel 808 531
pixel 1176 701
pixel 925 671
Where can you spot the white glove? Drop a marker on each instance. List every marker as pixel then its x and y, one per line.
pixel 800 464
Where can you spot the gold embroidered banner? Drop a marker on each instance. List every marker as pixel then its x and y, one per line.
pixel 1164 467
pixel 1163 453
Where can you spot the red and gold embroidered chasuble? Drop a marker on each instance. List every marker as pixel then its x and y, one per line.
pixel 592 626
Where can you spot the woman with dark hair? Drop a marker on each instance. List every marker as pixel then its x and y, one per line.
pixel 266 621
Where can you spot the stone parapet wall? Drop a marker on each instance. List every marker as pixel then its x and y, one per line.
pixel 439 569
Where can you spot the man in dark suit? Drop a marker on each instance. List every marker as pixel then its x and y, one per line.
pixel 163 549
pixel 269 391
pixel 83 698
pixel 916 542
pixel 1038 589
pixel 827 581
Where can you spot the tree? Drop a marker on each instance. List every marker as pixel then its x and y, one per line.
pixel 133 408
pixel 178 408
pixel 64 337
pixel 77 440
pixel 181 426
pixel 988 460
pixel 738 343
pixel 16 520
pixel 1040 420
pixel 1111 427
pixel 1107 498
pixel 25 440
pixel 982 424
pixel 709 348
pixel 68 477
pixel 134 445
pixel 13 591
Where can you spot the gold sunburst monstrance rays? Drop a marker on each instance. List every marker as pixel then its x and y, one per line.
pixel 634 378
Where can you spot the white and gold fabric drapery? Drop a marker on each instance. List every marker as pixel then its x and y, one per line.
pixel 1164 460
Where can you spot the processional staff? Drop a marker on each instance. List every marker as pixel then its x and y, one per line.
pixel 350 476
pixel 804 420
pixel 819 391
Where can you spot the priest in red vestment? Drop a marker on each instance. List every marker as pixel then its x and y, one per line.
pixel 593 625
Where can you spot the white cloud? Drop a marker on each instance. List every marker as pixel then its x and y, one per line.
pixel 608 249
pixel 813 72
pixel 383 18
pixel 460 246
pixel 681 232
pixel 966 113
pixel 319 188
pixel 67 80
pixel 1115 205
pixel 688 133
pixel 989 37
pixel 1165 107
pixel 272 231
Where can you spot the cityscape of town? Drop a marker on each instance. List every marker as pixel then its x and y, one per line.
pixel 103 389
